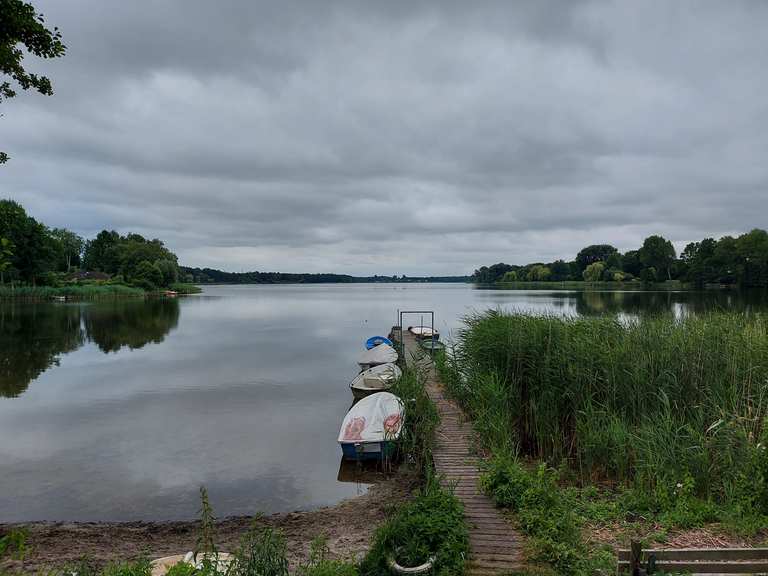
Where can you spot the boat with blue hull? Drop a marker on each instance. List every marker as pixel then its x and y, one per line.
pixel 374 341
pixel 371 428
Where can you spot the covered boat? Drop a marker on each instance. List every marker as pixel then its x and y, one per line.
pixel 381 354
pixel 423 332
pixel 371 428
pixel 374 341
pixel 376 379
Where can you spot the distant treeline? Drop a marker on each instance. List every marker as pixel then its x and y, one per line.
pixel 739 261
pixel 212 276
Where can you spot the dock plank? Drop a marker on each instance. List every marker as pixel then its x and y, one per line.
pixel 495 546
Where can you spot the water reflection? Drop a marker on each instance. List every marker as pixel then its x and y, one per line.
pixel 33 336
pixel 245 398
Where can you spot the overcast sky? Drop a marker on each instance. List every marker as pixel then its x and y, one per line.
pixel 396 137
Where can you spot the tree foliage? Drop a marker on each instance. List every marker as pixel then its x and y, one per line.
pixel 594 272
pixel 728 261
pixel 141 262
pixel 34 250
pixel 21 26
pixel 594 253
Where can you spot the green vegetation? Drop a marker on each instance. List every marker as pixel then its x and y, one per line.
pixel 37 262
pixel 431 525
pixel 658 417
pixel 739 261
pixel 420 421
pixel 212 276
pixel 22 26
pixel 72 292
pixel 183 288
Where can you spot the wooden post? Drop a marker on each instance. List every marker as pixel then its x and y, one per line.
pixel 636 550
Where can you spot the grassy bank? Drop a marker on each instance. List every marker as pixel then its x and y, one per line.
pixel 79 292
pixel 185 289
pixel 662 419
pixel 72 292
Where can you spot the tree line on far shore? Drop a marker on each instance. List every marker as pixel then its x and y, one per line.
pixel 742 261
pixel 36 255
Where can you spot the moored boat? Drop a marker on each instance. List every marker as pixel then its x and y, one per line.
pixel 423 332
pixel 433 345
pixel 371 428
pixel 374 341
pixel 377 379
pixel 381 354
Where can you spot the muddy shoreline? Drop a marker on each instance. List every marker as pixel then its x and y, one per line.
pixel 348 527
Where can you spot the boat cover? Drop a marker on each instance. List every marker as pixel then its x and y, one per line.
pixel 423 331
pixel 380 376
pixel 375 418
pixel 374 341
pixel 380 354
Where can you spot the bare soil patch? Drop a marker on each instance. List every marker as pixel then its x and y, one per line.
pixel 348 526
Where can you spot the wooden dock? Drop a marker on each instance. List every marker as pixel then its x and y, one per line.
pixel 495 547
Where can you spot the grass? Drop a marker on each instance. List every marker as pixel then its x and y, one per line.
pixel 420 421
pixel 431 525
pixel 659 418
pixel 73 292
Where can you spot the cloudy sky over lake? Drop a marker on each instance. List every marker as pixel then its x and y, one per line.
pixel 396 137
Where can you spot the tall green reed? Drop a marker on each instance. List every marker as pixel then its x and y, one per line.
pixel 647 401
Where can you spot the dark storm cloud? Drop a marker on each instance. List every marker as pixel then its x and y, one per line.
pixel 337 135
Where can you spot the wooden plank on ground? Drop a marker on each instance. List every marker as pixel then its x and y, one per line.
pixel 495 546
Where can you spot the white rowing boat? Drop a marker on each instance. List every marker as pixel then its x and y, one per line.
pixel 376 379
pixel 423 332
pixel 381 354
pixel 371 428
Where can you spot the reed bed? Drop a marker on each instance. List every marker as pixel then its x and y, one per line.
pixel 669 406
pixel 72 292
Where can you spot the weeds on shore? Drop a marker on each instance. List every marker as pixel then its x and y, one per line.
pixel 432 525
pixel 421 419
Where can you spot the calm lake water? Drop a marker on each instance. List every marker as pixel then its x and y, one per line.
pixel 122 410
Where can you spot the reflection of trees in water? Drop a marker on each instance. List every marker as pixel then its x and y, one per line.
pixel 33 336
pixel 132 324
pixel 592 303
pixel 31 339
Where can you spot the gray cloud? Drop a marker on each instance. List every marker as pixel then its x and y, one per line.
pixel 396 137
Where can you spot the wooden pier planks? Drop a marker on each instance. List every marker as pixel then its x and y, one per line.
pixel 495 547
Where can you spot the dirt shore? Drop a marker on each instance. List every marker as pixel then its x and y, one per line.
pixel 348 526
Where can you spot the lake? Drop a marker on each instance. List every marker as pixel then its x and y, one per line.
pixel 122 410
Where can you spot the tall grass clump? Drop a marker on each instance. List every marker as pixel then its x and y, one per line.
pixel 421 419
pixel 430 526
pixel 676 408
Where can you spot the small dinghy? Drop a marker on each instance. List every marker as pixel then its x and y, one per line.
pixel 372 427
pixel 432 345
pixel 381 354
pixel 423 332
pixel 376 379
pixel 374 341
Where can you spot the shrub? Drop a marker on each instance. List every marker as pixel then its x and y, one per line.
pixel 430 525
